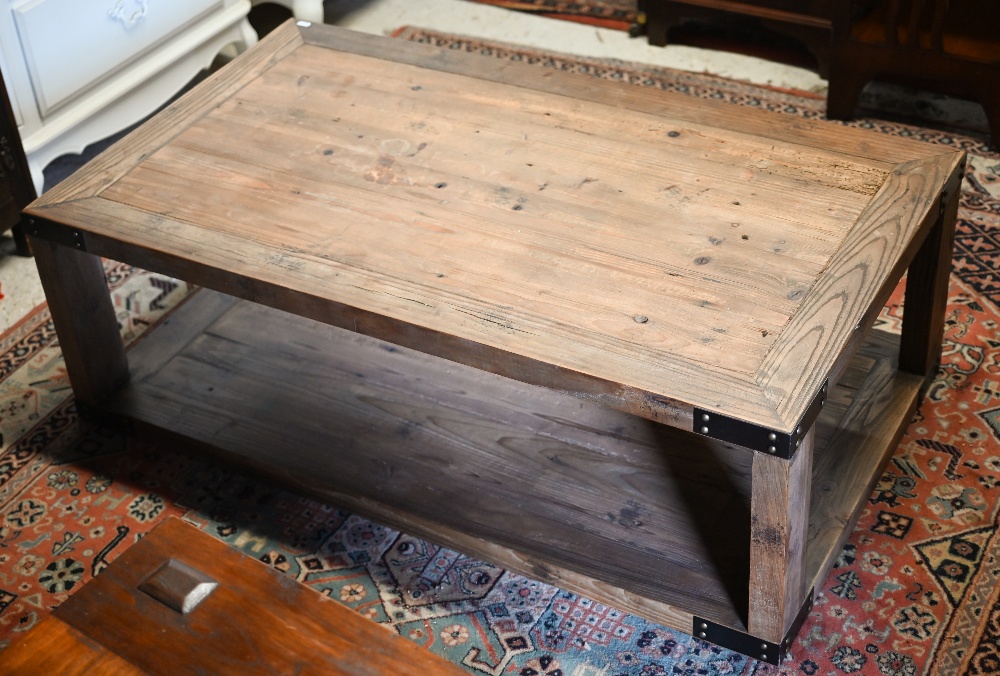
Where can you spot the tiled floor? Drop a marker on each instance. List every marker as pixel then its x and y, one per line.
pixel 19 284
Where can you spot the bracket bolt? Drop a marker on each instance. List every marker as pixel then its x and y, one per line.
pixel 705 417
pixel 704 430
pixel 772 449
pixel 772 436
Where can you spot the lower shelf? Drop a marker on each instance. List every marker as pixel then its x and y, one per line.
pixel 645 518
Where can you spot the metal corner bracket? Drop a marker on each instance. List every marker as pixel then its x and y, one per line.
pixel 54 232
pixel 757 437
pixel 751 646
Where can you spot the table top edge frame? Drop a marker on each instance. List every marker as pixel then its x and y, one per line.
pixel 124 155
pixel 824 135
pixel 792 389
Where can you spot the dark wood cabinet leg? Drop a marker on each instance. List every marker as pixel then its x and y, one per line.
pixel 844 92
pixel 991 104
pixel 20 241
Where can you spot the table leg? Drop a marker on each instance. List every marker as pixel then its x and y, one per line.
pixel 779 520
pixel 77 293
pixel 927 293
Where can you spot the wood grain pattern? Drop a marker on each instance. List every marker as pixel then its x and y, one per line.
pixel 600 246
pixel 117 160
pixel 778 539
pixel 873 405
pixel 54 647
pixel 458 455
pixel 812 133
pixel 866 268
pixel 643 252
pixel 436 439
pixel 77 293
pixel 256 621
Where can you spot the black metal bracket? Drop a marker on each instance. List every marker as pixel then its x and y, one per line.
pixel 757 437
pixel 54 232
pixel 751 646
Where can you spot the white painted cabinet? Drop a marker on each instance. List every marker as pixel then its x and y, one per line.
pixel 78 71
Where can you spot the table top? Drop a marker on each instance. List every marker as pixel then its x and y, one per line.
pixel 655 251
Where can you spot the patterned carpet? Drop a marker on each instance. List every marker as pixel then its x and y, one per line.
pixel 914 592
pixel 619 14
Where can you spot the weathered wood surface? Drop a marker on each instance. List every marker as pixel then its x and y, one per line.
pixel 873 405
pixel 256 621
pixel 54 647
pixel 779 522
pixel 638 516
pixel 356 421
pixel 859 276
pixel 594 238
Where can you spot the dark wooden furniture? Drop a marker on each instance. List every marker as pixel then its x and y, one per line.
pixel 181 602
pixel 952 46
pixel 691 283
pixel 16 189
pixel 808 21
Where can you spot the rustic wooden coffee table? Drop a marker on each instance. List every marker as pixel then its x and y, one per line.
pixel 692 284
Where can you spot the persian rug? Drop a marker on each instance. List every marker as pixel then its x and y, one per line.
pixel 619 14
pixel 915 590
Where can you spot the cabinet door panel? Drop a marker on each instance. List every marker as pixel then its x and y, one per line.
pixel 69 45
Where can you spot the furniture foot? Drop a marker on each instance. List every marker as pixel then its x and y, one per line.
pixel 752 646
pixel 658 24
pixel 843 94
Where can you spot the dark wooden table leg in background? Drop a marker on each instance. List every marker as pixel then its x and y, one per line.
pixel 927 290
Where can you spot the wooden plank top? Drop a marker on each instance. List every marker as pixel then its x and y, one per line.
pixel 650 250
